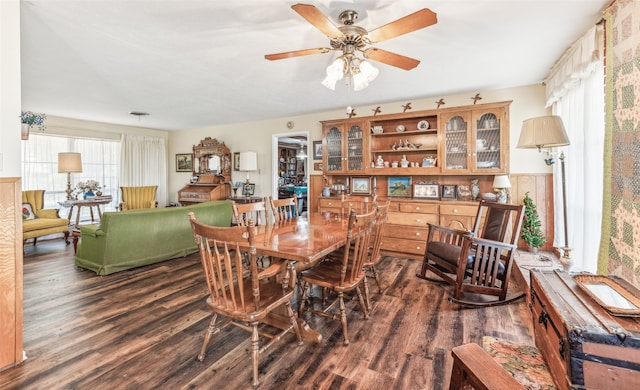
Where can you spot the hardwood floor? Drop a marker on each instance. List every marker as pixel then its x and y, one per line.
pixel 142 329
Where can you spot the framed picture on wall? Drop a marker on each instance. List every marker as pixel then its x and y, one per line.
pixel 360 186
pixel 236 161
pixel 399 186
pixel 184 162
pixel 317 150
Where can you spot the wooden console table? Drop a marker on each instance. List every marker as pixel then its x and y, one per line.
pixel 84 203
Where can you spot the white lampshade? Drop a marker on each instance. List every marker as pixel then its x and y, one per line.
pixel 69 162
pixel 543 132
pixel 369 71
pixel 248 161
pixel 501 181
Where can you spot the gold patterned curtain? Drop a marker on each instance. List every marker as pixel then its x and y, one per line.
pixel 620 246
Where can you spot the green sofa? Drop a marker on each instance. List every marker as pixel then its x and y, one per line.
pixel 134 238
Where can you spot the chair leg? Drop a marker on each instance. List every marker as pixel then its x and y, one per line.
pixel 303 300
pixel 366 293
pixel 374 271
pixel 34 240
pixel 211 330
pixel 255 352
pixel 294 323
pixel 343 317
pixel 363 307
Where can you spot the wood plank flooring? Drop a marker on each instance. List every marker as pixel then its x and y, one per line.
pixel 142 329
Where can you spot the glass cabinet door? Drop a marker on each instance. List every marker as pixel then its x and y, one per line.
pixel 333 150
pixel 488 141
pixel 355 152
pixel 456 147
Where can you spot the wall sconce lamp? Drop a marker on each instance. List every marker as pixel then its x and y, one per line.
pixel 548 132
pixel 69 163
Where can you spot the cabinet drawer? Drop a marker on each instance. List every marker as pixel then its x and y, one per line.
pixel 329 202
pixel 411 219
pixel 406 232
pixel 402 245
pixel 450 209
pixel 408 207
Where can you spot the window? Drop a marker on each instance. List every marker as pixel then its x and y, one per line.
pixel 100 161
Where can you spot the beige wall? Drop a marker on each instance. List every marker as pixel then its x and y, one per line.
pixel 528 101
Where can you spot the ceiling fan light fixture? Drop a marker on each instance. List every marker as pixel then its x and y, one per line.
pixel 369 71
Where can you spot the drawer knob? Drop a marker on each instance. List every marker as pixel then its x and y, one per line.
pixel 417 208
pixel 417 219
pixel 417 234
pixel 455 210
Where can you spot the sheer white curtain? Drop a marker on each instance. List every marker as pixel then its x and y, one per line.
pixel 576 93
pixel 143 162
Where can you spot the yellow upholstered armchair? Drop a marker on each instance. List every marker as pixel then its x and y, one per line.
pixel 143 197
pixel 37 221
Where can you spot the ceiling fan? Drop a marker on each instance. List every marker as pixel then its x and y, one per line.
pixel 350 39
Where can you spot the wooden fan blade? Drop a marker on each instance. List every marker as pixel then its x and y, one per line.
pixel 389 58
pixel 317 18
pixel 297 53
pixel 417 20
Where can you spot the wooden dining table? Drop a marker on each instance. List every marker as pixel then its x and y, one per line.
pixel 306 239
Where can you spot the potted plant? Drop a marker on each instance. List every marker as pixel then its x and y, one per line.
pixel 531 232
pixel 30 119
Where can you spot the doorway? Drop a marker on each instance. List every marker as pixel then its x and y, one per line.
pixel 290 153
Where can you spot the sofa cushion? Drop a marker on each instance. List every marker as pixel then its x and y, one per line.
pixel 27 212
pixel 43 223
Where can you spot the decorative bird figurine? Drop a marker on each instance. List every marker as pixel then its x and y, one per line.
pixel 376 111
pixel 440 102
pixel 476 98
pixel 406 107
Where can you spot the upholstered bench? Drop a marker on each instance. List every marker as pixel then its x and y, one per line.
pixel 500 364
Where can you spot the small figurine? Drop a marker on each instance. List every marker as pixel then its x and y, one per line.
pixel 475 189
pixel 380 161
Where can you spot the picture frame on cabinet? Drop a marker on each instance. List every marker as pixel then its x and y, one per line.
pixel 236 161
pixel 360 185
pixel 184 162
pixel 426 191
pixel 449 192
pixel 317 150
pixel 317 166
pixel 248 189
pixel 399 187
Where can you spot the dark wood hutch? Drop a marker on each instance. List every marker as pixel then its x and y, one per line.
pixel 211 174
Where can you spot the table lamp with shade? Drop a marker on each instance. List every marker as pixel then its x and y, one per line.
pixel 546 132
pixel 502 184
pixel 69 162
pixel 248 163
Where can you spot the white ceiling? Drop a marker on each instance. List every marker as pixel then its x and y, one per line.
pixel 194 63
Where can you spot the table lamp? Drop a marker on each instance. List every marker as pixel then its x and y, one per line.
pixel 502 183
pixel 548 132
pixel 248 163
pixel 69 163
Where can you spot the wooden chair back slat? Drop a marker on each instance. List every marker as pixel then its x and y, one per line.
pixel 222 261
pixel 283 209
pixel 256 211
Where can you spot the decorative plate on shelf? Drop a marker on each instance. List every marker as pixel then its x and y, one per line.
pixel 400 128
pixel 423 125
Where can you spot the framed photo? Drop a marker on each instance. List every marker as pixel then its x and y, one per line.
pixel 360 186
pixel 449 191
pixel 184 162
pixel 317 166
pixel 399 186
pixel 426 191
pixel 248 190
pixel 236 161
pixel 317 150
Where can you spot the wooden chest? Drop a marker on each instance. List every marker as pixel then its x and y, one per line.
pixel 584 346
